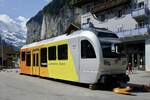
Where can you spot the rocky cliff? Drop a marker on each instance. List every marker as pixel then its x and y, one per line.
pixel 34 28
pixel 53 20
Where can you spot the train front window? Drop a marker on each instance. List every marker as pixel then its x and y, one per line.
pixel 109 52
pixel 87 50
pixel 106 35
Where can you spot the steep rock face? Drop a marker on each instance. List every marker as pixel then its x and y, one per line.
pixel 52 22
pixel 54 25
pixel 34 28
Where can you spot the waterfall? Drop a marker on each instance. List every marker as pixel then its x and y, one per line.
pixel 43 29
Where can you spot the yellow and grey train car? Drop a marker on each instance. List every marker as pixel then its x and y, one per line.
pixel 84 56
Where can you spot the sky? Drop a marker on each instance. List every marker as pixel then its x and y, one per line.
pixel 13 17
pixel 24 8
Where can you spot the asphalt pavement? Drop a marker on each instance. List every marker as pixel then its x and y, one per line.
pixel 14 86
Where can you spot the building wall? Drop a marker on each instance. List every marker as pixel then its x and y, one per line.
pixel 112 21
pixel 147 54
pixel 126 23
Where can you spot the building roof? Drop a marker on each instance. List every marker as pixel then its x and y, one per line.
pixel 71 28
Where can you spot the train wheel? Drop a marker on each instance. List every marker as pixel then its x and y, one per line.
pixel 92 86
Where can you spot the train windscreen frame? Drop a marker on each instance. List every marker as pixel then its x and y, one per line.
pixel 108 53
pixel 106 35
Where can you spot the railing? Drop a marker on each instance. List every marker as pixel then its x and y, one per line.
pixel 139 12
pixel 135 32
pixel 80 2
pixel 107 5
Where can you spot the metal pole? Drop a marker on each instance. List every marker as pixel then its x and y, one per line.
pixel 1 50
pixel 2 53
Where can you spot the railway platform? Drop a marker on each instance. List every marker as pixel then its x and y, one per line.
pixel 140 77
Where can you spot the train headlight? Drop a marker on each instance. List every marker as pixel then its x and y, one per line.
pixel 107 62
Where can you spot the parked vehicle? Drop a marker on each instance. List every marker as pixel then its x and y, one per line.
pixel 83 56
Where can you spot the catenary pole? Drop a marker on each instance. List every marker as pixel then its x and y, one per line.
pixel 1 50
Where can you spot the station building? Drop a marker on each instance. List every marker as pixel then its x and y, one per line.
pixel 129 19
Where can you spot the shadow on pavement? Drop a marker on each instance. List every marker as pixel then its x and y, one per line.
pixel 135 88
pixel 139 88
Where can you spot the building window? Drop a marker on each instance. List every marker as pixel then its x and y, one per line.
pixel 88 20
pixel 141 5
pixel 44 57
pixel 120 13
pixel 63 52
pixel 28 60
pixel 88 8
pixel 52 53
pixel 103 17
pixel 87 50
pixel 33 59
pixel 141 24
pixel 23 56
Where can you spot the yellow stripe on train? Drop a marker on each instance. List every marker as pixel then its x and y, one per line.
pixel 62 69
pixel 58 69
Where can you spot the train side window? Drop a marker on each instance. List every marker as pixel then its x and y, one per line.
pixel 23 56
pixel 44 57
pixel 52 53
pixel 63 52
pixel 28 60
pixel 37 59
pixel 87 50
pixel 33 59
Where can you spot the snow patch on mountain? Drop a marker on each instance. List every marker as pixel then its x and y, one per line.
pixel 13 31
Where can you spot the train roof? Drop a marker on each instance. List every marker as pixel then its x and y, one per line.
pixel 59 38
pixel 78 33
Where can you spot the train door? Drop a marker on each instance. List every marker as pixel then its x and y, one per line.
pixel 88 61
pixel 36 68
pixel 23 61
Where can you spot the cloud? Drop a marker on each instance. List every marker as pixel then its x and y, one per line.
pixel 13 30
pixel 22 21
pixel 6 19
pixel 21 18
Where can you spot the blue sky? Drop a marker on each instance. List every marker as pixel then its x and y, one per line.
pixel 25 8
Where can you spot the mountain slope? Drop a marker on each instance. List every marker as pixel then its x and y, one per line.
pixel 53 20
pixel 13 32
